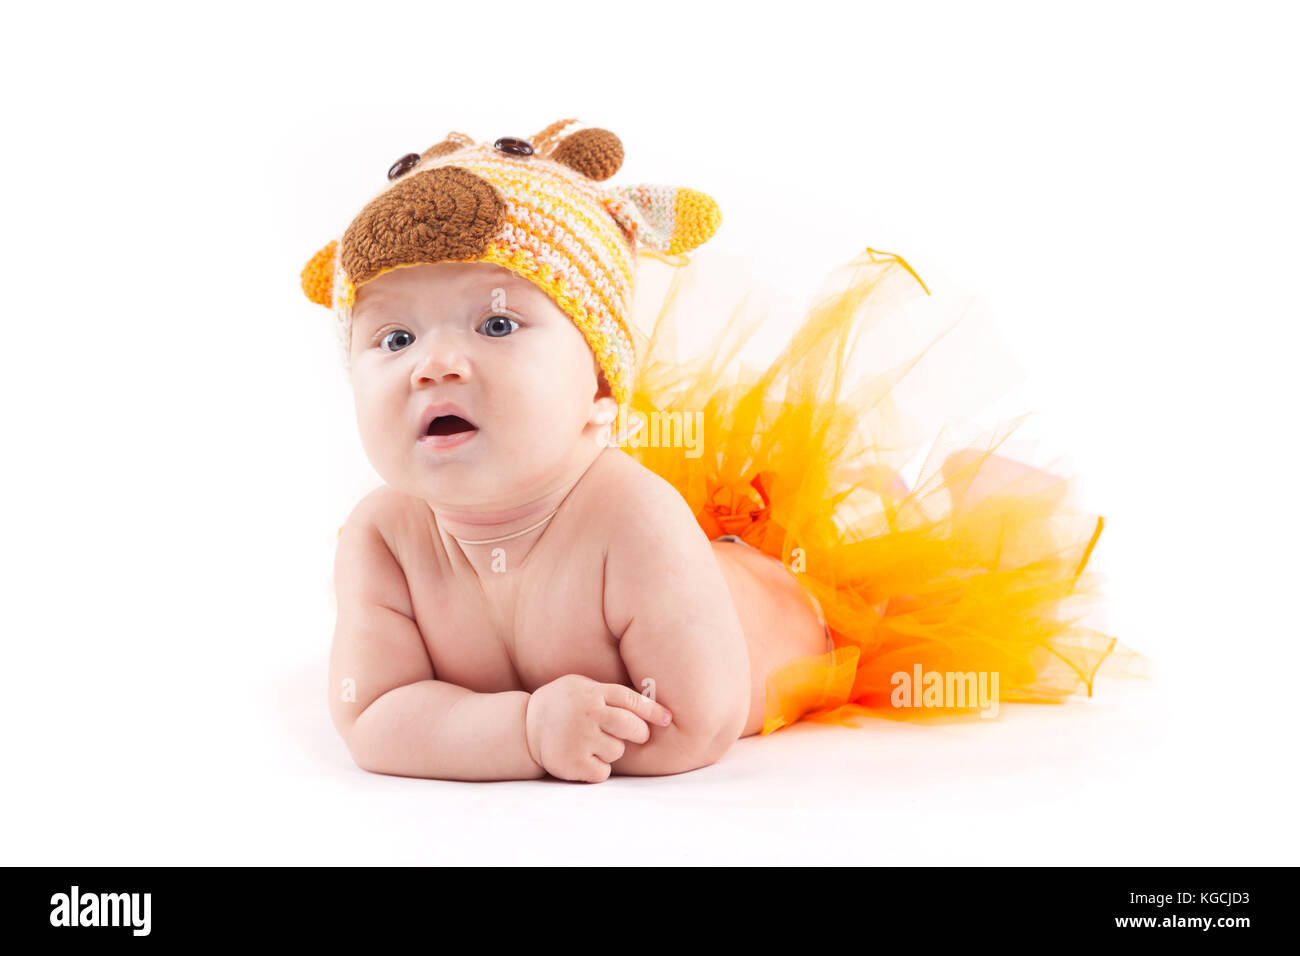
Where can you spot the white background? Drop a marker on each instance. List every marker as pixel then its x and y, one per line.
pixel 1114 182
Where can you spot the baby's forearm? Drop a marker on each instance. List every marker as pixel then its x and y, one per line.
pixel 443 731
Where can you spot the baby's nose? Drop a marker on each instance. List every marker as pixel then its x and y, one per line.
pixel 441 358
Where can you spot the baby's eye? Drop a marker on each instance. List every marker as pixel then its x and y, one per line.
pixel 496 326
pixel 396 340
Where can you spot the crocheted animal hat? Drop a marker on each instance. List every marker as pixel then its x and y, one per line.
pixel 533 206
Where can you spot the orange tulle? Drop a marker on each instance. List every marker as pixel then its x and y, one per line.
pixel 968 587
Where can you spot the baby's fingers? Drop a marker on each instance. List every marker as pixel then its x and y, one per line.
pixel 617 695
pixel 608 749
pixel 624 724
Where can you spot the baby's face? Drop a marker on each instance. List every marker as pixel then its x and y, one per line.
pixel 495 346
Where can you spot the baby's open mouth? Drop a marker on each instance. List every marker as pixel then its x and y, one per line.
pixel 449 425
pixel 445 427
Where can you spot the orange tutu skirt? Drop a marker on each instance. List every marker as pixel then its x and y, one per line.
pixel 966 589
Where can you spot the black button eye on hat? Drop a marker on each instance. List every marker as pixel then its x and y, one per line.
pixel 403 165
pixel 516 147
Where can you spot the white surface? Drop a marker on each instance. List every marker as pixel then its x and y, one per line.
pixel 1133 776
pixel 1115 184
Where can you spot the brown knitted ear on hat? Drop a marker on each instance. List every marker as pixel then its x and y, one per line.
pixel 596 153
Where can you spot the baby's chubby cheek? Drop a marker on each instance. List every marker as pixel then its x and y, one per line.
pixel 552 413
pixel 387 434
pixel 536 437
pixel 387 444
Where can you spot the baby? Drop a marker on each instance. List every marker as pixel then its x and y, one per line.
pixel 521 597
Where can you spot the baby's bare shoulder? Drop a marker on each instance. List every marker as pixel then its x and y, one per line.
pixel 634 504
pixel 385 524
pixel 389 512
pixel 660 569
pixel 651 535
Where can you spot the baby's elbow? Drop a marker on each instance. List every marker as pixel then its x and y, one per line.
pixel 724 730
pixel 366 759
pixel 366 765
pixel 360 747
pixel 712 752
pixel 359 756
pixel 713 749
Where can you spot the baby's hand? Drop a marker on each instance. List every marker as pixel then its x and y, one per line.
pixel 576 726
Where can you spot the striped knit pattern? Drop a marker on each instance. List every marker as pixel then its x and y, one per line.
pixel 562 230
pixel 559 235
